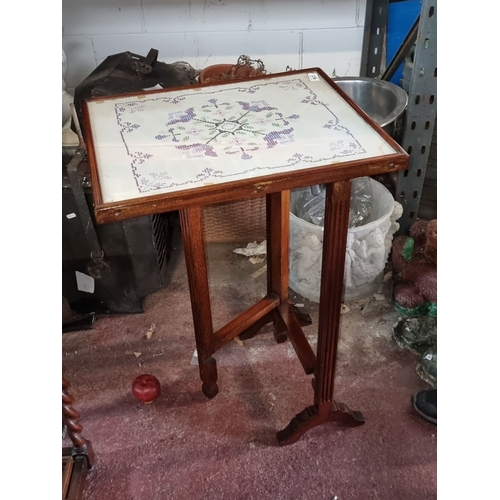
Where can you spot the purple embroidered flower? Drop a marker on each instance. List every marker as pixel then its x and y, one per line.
pixel 256 106
pixel 276 136
pixel 181 116
pixel 197 150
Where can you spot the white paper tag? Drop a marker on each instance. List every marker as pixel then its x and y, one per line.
pixel 313 77
pixel 70 216
pixel 428 357
pixel 84 283
pixel 156 87
pixel 194 358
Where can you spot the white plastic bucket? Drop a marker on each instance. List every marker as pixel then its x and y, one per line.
pixel 367 251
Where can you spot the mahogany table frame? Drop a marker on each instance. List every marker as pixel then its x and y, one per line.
pixel 274 307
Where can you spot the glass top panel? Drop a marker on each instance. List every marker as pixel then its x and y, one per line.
pixel 175 140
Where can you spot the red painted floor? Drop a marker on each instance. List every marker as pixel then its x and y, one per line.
pixel 184 446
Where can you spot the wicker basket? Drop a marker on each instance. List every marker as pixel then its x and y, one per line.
pixel 236 222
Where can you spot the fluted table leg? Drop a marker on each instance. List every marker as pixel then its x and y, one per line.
pixel 325 409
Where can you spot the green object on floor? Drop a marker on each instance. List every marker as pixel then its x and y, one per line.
pixel 427 368
pixel 428 309
pixel 433 309
pixel 408 249
pixel 416 334
pixel 419 335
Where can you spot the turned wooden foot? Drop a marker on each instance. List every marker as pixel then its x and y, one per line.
pixel 208 375
pixel 315 415
pixel 210 391
pixel 81 446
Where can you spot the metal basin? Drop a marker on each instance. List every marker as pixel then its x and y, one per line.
pixel 382 101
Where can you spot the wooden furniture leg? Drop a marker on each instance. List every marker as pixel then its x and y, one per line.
pixel 325 409
pixel 197 271
pixel 78 459
pixel 278 241
pixel 81 447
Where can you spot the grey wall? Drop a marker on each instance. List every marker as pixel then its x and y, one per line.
pixel 293 33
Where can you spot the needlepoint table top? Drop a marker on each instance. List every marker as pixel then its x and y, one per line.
pixel 157 145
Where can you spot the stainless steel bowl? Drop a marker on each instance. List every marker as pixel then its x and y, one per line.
pixel 382 101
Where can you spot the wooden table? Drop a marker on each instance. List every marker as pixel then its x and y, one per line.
pixel 182 149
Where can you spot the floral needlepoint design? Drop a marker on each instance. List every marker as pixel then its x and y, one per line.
pixel 235 125
pixel 239 127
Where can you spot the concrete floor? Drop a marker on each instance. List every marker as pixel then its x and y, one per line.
pixel 184 446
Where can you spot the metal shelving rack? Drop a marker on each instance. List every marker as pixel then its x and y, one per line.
pixel 374 38
pixel 422 98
